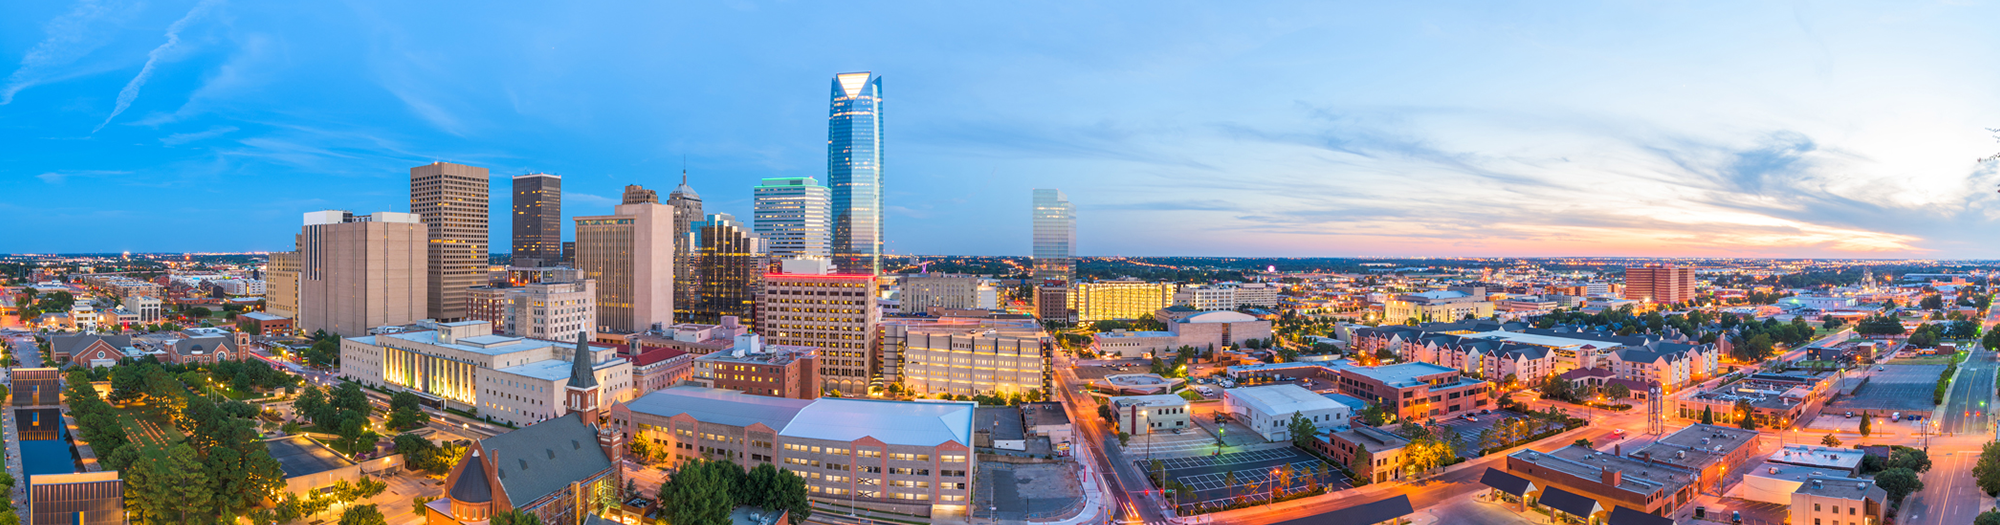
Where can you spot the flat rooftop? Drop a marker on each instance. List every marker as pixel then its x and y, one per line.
pixel 1639 477
pixel 1129 333
pixel 552 369
pixel 301 456
pixel 1401 375
pixel 1790 472
pixel 1157 400
pixel 1281 399
pixel 1697 446
pixel 1137 380
pixel 1817 456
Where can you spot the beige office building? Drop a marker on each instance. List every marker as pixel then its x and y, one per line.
pixel 1121 299
pixel 452 200
pixel 950 291
pixel 520 381
pixel 835 313
pixel 545 310
pixel 281 289
pixel 966 356
pixel 630 255
pixel 360 271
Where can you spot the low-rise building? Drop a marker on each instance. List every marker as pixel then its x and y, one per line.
pixel 465 366
pixel 89 349
pixel 766 370
pixel 1141 415
pixel 1268 410
pixel 554 310
pixel 923 292
pixel 1443 305
pixel 263 323
pixel 1206 331
pixel 657 368
pixel 1845 460
pixel 1710 451
pixel 1384 450
pixel 1048 419
pixel 1608 480
pixel 1774 482
pixel 1839 502
pixel 554 469
pixel 1417 391
pixel 85 498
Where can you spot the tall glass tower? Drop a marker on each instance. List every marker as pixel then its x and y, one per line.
pixel 1055 236
pixel 791 217
pixel 854 170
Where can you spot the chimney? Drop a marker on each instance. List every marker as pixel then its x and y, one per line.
pixel 1611 478
pixel 1618 449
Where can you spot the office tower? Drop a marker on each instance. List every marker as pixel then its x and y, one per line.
pixel 630 255
pixel 635 194
pixel 792 216
pixel 835 313
pixel 358 272
pixel 555 310
pixel 1666 284
pixel 281 297
pixel 687 278
pixel 569 253
pixel 537 220
pixel 923 292
pixel 452 200
pixel 854 170
pixel 729 265
pixel 1055 235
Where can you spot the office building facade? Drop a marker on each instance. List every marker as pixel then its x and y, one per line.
pixel 452 200
pixel 630 255
pixel 281 291
pixel 687 277
pixel 729 269
pixel 793 217
pixel 1055 236
pixel 967 356
pixel 544 310
pixel 465 365
pixel 361 271
pixel 1121 299
pixel 537 220
pixel 949 291
pixel 854 170
pixel 835 313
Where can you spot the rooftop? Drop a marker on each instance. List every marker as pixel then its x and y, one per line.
pixel 261 316
pixel 1281 399
pixel 1157 400
pixel 1789 472
pixel 552 369
pixel 1402 375
pixel 1639 477
pixel 1697 446
pixel 1818 456
pixel 301 456
pixel 1847 489
pixel 1002 422
pixel 1375 439
pixel 1550 341
pixel 837 419
pixel 1130 333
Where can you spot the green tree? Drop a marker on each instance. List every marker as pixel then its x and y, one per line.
pixel 1618 391
pixel 420 453
pixel 1830 441
pixel 1991 517
pixel 362 515
pixel 1707 415
pixel 1303 431
pixel 1865 419
pixel 515 517
pixel 1899 482
pixel 1748 414
pixel 408 419
pixel 699 493
pixel 168 487
pixel 1905 457
pixel 1986 472
pixel 1585 443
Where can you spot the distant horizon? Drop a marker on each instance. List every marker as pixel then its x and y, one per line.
pixel 1273 257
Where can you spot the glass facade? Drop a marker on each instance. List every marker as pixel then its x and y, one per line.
pixel 729 262
pixel 537 219
pixel 792 216
pixel 1055 235
pixel 854 170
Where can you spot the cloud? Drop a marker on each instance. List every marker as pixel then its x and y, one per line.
pixel 131 91
pixel 58 177
pixel 1181 205
pixel 184 138
pixel 589 199
pixel 70 37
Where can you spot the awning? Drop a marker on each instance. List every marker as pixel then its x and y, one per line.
pixel 1627 516
pixel 1569 502
pixel 1371 513
pixel 1507 483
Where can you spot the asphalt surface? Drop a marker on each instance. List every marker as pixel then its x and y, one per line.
pixel 1967 407
pixel 1950 496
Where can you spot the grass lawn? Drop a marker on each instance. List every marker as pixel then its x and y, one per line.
pixel 147 431
pixel 1926 360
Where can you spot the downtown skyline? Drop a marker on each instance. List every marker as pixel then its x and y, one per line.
pixel 1707 130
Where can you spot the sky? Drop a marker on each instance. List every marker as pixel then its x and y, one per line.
pixel 1486 128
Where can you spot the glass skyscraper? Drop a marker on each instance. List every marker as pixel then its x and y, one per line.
pixel 791 217
pixel 854 170
pixel 1055 236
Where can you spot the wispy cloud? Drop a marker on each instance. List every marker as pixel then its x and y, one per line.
pixel 131 91
pixel 59 177
pixel 184 138
pixel 70 37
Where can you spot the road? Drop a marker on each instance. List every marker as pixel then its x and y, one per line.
pixel 1127 483
pixel 1949 496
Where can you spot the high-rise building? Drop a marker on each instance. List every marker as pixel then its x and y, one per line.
pixel 854 170
pixel 1666 284
pixel 557 305
pixel 792 217
pixel 635 194
pixel 967 357
pixel 729 268
pixel 630 255
pixel 358 272
pixel 835 313
pixel 1055 236
pixel 537 220
pixel 281 296
pixel 687 277
pixel 452 200
pixel 1121 299
pixel 948 291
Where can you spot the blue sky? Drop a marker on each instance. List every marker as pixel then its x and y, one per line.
pixel 1199 128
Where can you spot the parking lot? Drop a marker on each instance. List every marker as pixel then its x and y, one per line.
pixel 1252 470
pixel 1892 388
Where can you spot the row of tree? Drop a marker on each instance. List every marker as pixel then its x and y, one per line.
pixel 220 471
pixel 342 410
pixel 703 492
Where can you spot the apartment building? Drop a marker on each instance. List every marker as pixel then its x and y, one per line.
pixel 1120 299
pixel 765 370
pixel 909 457
pixel 834 313
pixel 1667 284
pixel 967 357
pixel 1419 391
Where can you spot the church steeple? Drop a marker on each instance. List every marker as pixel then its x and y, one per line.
pixel 582 373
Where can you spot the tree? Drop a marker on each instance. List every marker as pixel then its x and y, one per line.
pixel 168 487
pixel 1830 441
pixel 1708 415
pixel 1362 465
pixel 1986 472
pixel 1303 431
pixel 1124 438
pixel 1991 517
pixel 1585 443
pixel 1749 421
pixel 698 494
pixel 1374 415
pixel 1865 419
pixel 1899 482
pixel 1905 457
pixel 362 515
pixel 408 419
pixel 515 517
pixel 420 453
pixel 1618 391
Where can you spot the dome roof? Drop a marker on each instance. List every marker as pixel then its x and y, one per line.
pixel 1223 316
pixel 472 486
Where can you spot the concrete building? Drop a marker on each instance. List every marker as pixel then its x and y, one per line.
pixel 86 498
pixel 967 357
pixel 281 287
pixel 1437 306
pixel 240 287
pixel 562 471
pixel 150 309
pixel 954 291
pixel 854 171
pixel 1048 419
pixel 1264 295
pixel 1384 450
pixel 1709 451
pixel 1603 481
pixel 545 310
pixel 1844 460
pixel 513 379
pixel 1120 299
pixel 1055 236
pixel 729 267
pixel 1268 410
pixel 1667 284
pixel 630 255
pixel 1419 391
pixel 792 216
pixel 834 313
pixel 1052 301
pixel 358 272
pixel 537 220
pixel 264 324
pixel 658 368
pixel 1141 415
pixel 1774 482
pixel 1840 502
pixel 687 277
pixel 909 457
pixel 754 368
pixel 1208 297
pixel 1210 330
pixel 452 200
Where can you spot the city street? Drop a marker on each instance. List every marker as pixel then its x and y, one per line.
pixel 1949 496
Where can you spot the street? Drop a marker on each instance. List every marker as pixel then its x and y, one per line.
pixel 1949 496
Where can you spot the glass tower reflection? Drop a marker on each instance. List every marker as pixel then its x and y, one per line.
pixel 854 170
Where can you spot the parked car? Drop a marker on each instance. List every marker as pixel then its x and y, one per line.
pixel 1468 417
pixel 1850 414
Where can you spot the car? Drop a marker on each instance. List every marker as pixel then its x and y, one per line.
pixel 1468 417
pixel 1618 432
pixel 1850 414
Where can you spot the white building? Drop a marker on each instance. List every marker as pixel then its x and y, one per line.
pixel 557 311
pixel 1269 409
pixel 794 217
pixel 924 291
pixel 1141 415
pixel 1207 297
pixel 513 379
pixel 1258 294
pixel 240 286
pixel 147 307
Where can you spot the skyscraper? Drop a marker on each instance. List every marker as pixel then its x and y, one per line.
pixel 537 219
pixel 854 170
pixel 730 268
pixel 629 253
pixel 1666 284
pixel 687 212
pixel 791 217
pixel 452 200
pixel 1055 235
pixel 357 272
